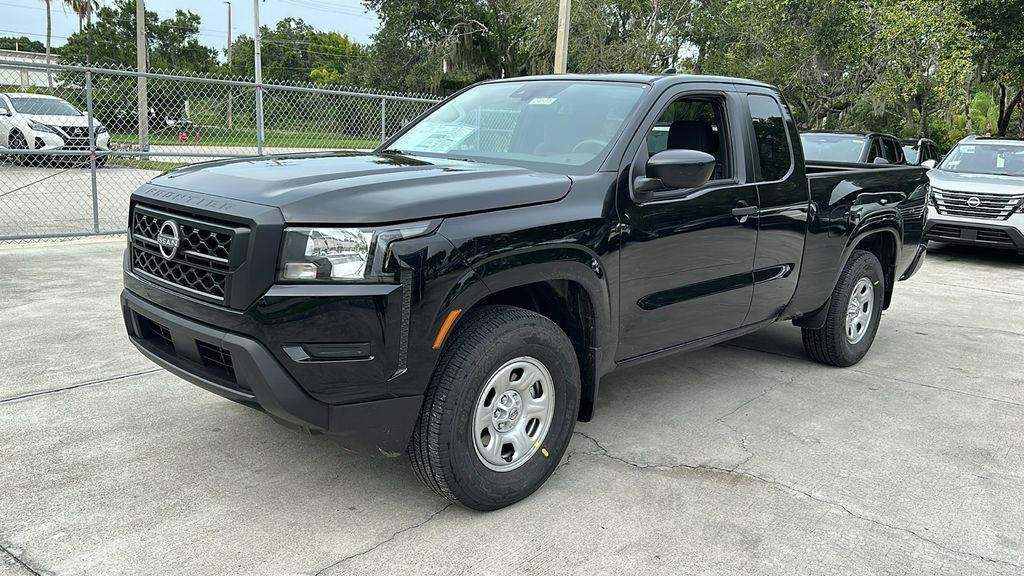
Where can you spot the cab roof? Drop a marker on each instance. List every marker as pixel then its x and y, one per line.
pixel 660 80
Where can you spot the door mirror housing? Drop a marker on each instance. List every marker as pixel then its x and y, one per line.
pixel 928 164
pixel 880 160
pixel 675 170
pixel 4 112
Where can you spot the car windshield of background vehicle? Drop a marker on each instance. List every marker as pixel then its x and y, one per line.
pixel 1000 159
pixel 833 147
pixel 556 122
pixel 911 153
pixel 43 107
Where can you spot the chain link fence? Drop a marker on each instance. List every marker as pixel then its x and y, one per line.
pixel 73 148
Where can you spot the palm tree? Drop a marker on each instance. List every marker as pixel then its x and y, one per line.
pixel 84 9
pixel 49 31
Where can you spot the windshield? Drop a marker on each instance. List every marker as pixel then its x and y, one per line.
pixel 910 151
pixel 43 106
pixel 548 122
pixel 987 158
pixel 833 147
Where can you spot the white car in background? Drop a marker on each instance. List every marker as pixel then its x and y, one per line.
pixel 977 194
pixel 37 122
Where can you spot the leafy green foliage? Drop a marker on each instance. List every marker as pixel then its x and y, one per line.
pixel 23 44
pixel 173 42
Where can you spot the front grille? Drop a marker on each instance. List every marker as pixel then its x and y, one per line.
pixel 947 232
pixel 76 131
pixel 201 265
pixel 971 205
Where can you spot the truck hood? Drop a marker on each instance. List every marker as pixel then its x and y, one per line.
pixel 976 183
pixel 359 188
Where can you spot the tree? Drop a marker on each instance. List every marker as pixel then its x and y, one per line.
pixel 23 44
pixel 294 50
pixel 84 9
pixel 49 34
pixel 173 43
pixel 999 26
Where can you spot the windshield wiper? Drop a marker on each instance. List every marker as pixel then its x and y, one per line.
pixel 393 151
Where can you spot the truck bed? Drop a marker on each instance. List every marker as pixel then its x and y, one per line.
pixel 844 196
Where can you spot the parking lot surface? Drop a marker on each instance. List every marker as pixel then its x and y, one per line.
pixel 745 458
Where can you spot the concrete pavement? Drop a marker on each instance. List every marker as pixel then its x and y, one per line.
pixel 745 458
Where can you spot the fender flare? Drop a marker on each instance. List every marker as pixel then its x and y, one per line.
pixel 885 225
pixel 575 264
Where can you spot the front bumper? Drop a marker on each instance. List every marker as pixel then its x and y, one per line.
pixel 1006 234
pixel 240 368
pixel 39 140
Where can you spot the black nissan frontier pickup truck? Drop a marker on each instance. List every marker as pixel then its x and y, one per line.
pixel 458 293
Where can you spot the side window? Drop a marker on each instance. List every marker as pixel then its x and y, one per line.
pixel 773 149
pixel 693 123
pixel 876 150
pixel 3 105
pixel 893 151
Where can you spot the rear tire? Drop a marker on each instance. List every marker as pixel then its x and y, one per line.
pixel 854 313
pixel 518 367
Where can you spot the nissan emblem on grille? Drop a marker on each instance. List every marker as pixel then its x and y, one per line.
pixel 168 239
pixel 974 201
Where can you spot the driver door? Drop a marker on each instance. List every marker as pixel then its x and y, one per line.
pixel 687 256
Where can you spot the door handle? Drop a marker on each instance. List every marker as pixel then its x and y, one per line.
pixel 744 211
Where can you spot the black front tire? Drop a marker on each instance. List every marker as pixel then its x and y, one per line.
pixel 442 450
pixel 831 344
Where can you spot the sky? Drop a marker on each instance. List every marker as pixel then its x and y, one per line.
pixel 28 17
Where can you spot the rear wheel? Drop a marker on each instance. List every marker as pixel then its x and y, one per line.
pixel 499 411
pixel 854 313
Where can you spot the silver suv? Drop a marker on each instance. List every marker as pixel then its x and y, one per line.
pixel 977 194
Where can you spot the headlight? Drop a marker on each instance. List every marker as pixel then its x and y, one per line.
pixel 101 129
pixel 345 254
pixel 40 127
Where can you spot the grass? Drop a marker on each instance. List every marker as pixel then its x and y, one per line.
pixel 142 164
pixel 247 138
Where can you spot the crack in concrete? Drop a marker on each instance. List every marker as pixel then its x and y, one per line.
pixel 19 561
pixel 384 541
pixel 940 388
pixel 970 288
pixel 604 453
pixel 894 379
pixel 79 385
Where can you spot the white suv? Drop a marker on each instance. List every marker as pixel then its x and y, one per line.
pixel 977 194
pixel 37 122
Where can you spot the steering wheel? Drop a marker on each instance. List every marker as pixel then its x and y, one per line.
pixel 598 144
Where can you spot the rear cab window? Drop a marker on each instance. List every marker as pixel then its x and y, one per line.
pixel 774 151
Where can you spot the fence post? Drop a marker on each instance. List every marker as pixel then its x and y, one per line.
pixel 92 152
pixel 383 119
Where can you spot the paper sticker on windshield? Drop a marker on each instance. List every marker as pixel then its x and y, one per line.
pixel 968 149
pixel 439 138
pixel 543 101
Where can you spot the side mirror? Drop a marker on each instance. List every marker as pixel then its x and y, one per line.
pixel 4 112
pixel 929 164
pixel 675 170
pixel 880 160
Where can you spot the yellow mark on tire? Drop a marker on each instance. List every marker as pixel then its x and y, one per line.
pixel 544 451
pixel 877 282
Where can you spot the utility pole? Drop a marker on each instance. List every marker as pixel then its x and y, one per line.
pixel 259 76
pixel 231 92
pixel 140 51
pixel 562 36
